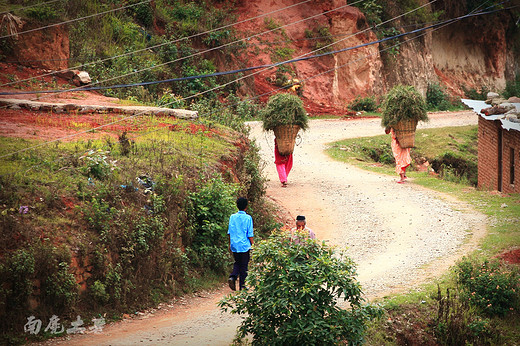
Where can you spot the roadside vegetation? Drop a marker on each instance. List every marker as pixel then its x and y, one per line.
pixel 135 219
pixel 477 302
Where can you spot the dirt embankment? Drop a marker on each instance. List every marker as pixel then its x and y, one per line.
pixel 468 54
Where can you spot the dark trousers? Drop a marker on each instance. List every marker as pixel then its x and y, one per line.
pixel 240 267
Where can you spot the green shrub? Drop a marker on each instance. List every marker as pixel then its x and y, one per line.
pixel 293 295
pixel 99 292
pixel 43 13
pixel 16 283
pixel 436 97
pixel 366 104
pixel 403 103
pixel 61 290
pixel 489 286
pixel 97 165
pixel 512 88
pixel 284 109
pixel 474 94
pixel 208 210
pixel 457 322
pixel 98 214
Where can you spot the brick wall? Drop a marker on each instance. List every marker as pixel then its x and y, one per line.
pixel 488 156
pixel 511 144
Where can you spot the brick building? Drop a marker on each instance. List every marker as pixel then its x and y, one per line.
pixel 498 150
pixel 498 155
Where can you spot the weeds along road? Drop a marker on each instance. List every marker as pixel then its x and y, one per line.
pixel 399 235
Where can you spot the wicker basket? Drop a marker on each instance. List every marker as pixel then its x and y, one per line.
pixel 405 133
pixel 285 138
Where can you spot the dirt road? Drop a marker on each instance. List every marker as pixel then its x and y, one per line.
pixel 399 235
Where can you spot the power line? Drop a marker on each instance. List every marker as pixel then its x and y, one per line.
pixel 198 94
pixel 223 73
pixel 216 48
pixel 448 22
pixel 74 20
pixel 160 44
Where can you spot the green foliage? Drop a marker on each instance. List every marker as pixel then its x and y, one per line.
pixel 99 292
pixel 116 34
pixel 436 97
pixel 282 54
pixel 373 11
pixel 457 323
pixel 143 13
pixel 213 110
pixel 456 167
pixel 44 13
pixel 489 286
pixel 97 165
pixel 244 109
pixel 208 210
pixel 294 289
pixel 474 94
pixel 403 103
pixel 16 281
pixel 321 37
pixel 61 289
pixel 98 213
pixel 271 24
pixel 284 109
pixel 512 88
pixel 367 104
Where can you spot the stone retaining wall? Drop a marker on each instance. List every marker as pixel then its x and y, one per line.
pixel 86 109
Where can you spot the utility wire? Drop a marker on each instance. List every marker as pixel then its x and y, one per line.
pixel 215 48
pixel 447 22
pixel 161 44
pixel 74 20
pixel 198 94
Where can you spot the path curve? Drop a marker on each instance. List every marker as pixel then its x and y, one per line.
pixel 399 235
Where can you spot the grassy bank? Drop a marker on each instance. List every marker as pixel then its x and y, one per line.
pixel 117 223
pixel 442 312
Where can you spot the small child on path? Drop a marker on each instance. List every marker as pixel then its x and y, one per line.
pixel 240 232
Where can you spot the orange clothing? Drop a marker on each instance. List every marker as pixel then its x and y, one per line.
pixel 402 156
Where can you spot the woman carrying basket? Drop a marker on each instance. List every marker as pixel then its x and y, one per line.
pixel 403 108
pixel 283 164
pixel 401 155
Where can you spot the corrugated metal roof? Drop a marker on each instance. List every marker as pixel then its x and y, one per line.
pixel 478 106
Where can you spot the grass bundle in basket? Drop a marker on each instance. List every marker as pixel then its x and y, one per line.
pixel 403 103
pixel 284 109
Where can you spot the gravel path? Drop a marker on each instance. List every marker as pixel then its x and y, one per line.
pixel 392 231
pixel 399 235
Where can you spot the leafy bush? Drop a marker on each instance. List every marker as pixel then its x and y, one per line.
pixel 284 109
pixel 99 292
pixel 457 323
pixel 474 94
pixel 294 292
pixel 43 13
pixel 97 164
pixel 403 103
pixel 436 97
pixel 512 88
pixel 16 281
pixel 367 104
pixel 489 286
pixel 208 210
